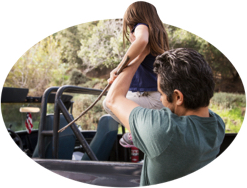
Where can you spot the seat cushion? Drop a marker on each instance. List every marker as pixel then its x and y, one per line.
pixel 66 139
pixel 104 138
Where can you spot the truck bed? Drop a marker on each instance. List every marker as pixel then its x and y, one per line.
pixel 114 174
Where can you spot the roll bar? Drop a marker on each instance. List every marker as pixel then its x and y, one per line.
pixel 60 107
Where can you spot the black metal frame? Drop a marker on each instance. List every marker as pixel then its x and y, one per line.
pixel 42 132
pixel 60 107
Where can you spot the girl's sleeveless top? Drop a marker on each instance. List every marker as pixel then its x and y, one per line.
pixel 144 79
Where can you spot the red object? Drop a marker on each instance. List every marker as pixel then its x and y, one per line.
pixel 134 154
pixel 29 123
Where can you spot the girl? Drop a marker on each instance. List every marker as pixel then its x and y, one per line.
pixel 144 29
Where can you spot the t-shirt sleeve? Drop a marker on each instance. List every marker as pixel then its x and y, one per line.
pixel 151 130
pixel 133 30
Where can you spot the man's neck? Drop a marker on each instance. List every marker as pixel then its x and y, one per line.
pixel 201 112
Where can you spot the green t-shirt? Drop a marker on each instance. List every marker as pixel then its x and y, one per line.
pixel 174 146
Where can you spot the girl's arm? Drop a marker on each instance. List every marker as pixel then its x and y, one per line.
pixel 136 48
pixel 116 97
pixel 139 44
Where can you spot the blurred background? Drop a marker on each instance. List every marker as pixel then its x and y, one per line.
pixel 84 55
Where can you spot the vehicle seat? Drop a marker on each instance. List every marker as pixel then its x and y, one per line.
pixel 66 140
pixel 104 138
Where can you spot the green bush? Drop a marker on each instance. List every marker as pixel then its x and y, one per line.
pixel 90 120
pixel 229 100
pixel 231 108
pixel 95 83
pixel 77 77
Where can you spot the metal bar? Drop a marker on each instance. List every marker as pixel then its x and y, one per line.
pixel 44 101
pixel 47 133
pixel 41 151
pixel 85 111
pixel 76 131
pixel 55 139
pixel 120 69
pixel 60 105
pixel 81 90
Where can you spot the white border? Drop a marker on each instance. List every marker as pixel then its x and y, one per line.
pixel 24 23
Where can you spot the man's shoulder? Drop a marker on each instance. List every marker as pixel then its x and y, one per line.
pixel 155 119
pixel 217 117
pixel 151 130
pixel 163 113
pixel 151 111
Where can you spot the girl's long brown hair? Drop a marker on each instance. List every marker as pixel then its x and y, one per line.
pixel 143 12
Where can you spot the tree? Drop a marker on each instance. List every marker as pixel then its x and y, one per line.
pixel 69 42
pixel 77 77
pixel 38 68
pixel 104 46
pixel 219 63
pixel 226 77
pixel 97 46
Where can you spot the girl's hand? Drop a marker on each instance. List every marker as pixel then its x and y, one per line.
pixel 113 76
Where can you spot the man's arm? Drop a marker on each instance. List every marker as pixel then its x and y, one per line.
pixel 116 97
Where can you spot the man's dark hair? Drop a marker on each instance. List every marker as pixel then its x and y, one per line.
pixel 186 70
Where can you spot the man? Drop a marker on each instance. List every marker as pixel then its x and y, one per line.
pixel 183 136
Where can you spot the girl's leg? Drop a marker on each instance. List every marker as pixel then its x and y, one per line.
pixel 149 100
pixel 110 112
pixel 145 99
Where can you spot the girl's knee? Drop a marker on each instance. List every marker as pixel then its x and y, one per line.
pixel 105 107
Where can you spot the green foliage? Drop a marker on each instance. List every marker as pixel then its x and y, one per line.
pixel 104 46
pixel 95 83
pixel 64 57
pixel 77 77
pixel 179 38
pixel 233 118
pixel 69 41
pixel 90 45
pixel 229 100
pixel 12 116
pixel 90 120
pixel 38 68
pixel 231 108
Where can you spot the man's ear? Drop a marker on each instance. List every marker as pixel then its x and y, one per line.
pixel 178 97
